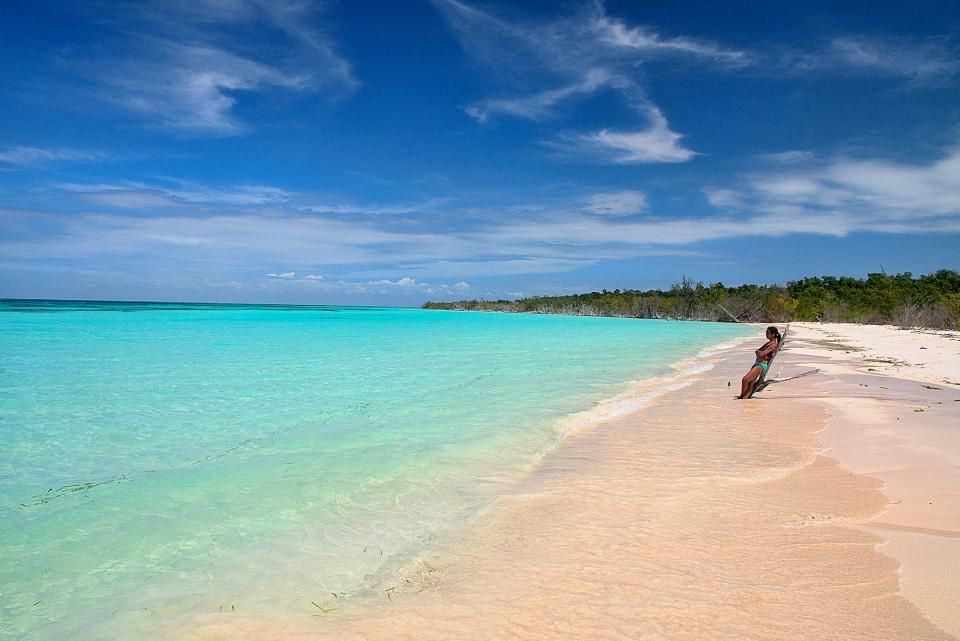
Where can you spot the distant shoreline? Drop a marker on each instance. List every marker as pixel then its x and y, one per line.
pixel 931 300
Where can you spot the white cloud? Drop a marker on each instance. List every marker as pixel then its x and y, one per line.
pixel 575 57
pixel 401 283
pixel 836 198
pixel 670 232
pixel 138 195
pixel 655 144
pixel 462 286
pixel 342 208
pixel 789 157
pixel 192 88
pixel 313 277
pixel 927 61
pixel 724 198
pixel 853 195
pixel 34 156
pixel 540 105
pixel 883 187
pixel 642 39
pixel 486 264
pixel 621 203
pixel 558 59
pixel 185 65
pixel 587 38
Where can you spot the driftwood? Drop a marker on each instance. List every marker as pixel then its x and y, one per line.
pixel 735 319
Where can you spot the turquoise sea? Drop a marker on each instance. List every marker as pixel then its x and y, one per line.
pixel 160 461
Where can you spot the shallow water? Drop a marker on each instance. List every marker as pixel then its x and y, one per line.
pixel 164 460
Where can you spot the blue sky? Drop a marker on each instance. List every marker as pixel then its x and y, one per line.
pixel 394 152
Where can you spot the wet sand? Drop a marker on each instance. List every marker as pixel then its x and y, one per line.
pixel 700 517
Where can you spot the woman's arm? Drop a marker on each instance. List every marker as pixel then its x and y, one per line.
pixel 767 349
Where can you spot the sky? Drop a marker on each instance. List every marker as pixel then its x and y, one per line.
pixel 388 153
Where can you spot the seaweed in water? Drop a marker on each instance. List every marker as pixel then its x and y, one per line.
pixel 49 495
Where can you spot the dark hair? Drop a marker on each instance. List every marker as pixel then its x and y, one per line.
pixel 776 332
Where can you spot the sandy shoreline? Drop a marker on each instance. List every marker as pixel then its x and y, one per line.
pixel 699 517
pixel 894 412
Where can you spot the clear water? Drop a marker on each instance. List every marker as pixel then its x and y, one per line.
pixel 159 461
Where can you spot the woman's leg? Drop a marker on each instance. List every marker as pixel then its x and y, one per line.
pixel 749 380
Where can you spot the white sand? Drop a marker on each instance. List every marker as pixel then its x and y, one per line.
pixel 921 355
pixel 896 409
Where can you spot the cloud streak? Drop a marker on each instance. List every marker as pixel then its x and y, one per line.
pixel 647 41
pixel 621 203
pixel 246 240
pixel 926 61
pixel 541 105
pixel 851 195
pixel 21 156
pixel 192 89
pixel 559 60
pixel 185 66
pixel 657 143
pixel 139 195
pixel 575 57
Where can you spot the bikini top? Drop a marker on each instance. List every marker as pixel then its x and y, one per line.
pixel 766 359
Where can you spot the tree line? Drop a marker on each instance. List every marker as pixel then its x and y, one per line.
pixel 931 300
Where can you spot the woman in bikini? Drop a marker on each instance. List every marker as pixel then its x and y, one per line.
pixel 762 364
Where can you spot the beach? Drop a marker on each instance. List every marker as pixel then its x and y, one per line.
pixel 826 508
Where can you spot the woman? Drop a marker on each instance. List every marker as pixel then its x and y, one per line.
pixel 762 365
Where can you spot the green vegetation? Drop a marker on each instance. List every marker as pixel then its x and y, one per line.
pixel 932 300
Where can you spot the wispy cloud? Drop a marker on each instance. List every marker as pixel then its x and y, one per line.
pixel 139 195
pixel 248 239
pixel 587 38
pixel 862 195
pixel 789 157
pixel 353 208
pixel 657 143
pixel 541 105
pixel 406 281
pixel 184 65
pixel 887 187
pixel 558 59
pixel 921 61
pixel 620 203
pixel 724 198
pixel 36 156
pixel 577 56
pixel 191 88
pixel 405 286
pixel 647 41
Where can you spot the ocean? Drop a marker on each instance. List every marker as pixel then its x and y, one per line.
pixel 161 460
